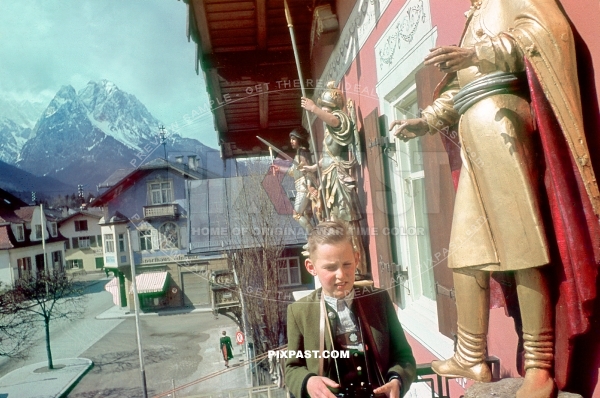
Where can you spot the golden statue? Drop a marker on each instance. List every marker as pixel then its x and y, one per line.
pixel 340 155
pixel 487 91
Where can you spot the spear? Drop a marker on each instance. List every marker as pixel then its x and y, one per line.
pixel 288 18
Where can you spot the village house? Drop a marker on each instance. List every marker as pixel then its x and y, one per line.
pixel 150 205
pixel 30 242
pixel 84 241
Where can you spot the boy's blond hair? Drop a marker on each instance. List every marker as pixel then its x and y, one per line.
pixel 328 233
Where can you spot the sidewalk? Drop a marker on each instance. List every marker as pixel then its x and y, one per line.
pixel 36 381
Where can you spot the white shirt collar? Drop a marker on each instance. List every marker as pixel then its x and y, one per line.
pixel 332 301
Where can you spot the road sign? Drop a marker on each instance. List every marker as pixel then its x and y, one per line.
pixel 239 337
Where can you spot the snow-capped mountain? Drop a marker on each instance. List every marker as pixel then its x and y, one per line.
pixel 119 114
pixel 82 137
pixel 12 137
pixel 23 113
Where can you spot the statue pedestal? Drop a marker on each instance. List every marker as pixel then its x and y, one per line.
pixel 505 388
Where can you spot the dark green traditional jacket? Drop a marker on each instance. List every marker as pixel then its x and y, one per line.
pixel 396 358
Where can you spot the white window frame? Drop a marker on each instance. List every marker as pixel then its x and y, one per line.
pixel 84 242
pixel 109 243
pixel 38 232
pixel 289 270
pixel 145 236
pixel 161 192
pixel 419 317
pixel 407 156
pixel 19 233
pixel 53 229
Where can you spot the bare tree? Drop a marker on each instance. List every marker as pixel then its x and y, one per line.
pixel 49 296
pixel 257 241
pixel 16 326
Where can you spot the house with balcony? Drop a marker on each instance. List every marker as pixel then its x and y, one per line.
pixel 30 242
pixel 145 219
pixel 179 227
pixel 83 247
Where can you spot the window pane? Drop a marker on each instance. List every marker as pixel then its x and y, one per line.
pixel 145 239
pixel 294 276
pixel 156 197
pixel 84 241
pixel 422 236
pixel 121 243
pixel 283 276
pixel 109 243
pixel 20 234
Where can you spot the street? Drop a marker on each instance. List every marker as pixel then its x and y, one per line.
pixel 178 349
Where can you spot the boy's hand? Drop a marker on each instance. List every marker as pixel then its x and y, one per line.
pixel 391 389
pixel 317 387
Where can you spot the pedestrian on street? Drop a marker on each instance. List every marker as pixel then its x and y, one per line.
pixel 226 348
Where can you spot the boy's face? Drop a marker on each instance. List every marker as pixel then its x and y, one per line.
pixel 334 265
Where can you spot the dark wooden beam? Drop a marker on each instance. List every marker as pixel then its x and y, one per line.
pixel 197 6
pixel 214 84
pixel 261 23
pixel 263 109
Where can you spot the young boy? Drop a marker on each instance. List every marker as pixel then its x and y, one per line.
pixel 358 321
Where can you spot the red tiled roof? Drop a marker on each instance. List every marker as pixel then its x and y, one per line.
pixel 25 213
pixel 5 242
pixel 10 216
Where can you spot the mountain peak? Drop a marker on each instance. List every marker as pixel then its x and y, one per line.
pixel 103 84
pixel 108 86
pixel 66 94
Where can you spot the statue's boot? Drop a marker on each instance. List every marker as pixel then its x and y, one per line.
pixel 538 334
pixel 472 303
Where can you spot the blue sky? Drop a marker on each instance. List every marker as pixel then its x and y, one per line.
pixel 141 46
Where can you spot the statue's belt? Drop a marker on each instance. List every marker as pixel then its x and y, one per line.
pixel 493 84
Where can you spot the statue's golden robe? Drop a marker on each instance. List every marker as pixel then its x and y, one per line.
pixel 497 224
